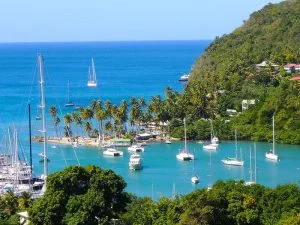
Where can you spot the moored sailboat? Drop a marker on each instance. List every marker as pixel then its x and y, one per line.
pixel 271 154
pixel 234 161
pixel 184 154
pixel 92 80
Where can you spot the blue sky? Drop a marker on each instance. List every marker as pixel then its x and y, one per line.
pixel 122 20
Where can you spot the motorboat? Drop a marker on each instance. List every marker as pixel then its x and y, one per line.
pixel 184 77
pixel 135 162
pixel 112 152
pixel 167 141
pixel 135 148
pixel 43 157
pixel 195 179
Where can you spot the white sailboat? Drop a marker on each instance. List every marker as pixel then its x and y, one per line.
pixel 69 103
pixel 195 179
pixel 184 154
pixel 234 161
pixel 214 140
pixel 92 81
pixel 43 131
pixel 251 181
pixel 271 154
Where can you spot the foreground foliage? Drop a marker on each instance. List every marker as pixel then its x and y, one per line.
pixel 80 195
pixel 92 195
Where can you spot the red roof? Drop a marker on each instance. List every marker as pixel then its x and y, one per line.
pixel 295 78
pixel 292 65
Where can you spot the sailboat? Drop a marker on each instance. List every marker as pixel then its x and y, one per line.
pixel 271 154
pixel 195 179
pixel 251 181
pixel 92 82
pixel 43 131
pixel 234 161
pixel 184 154
pixel 69 103
pixel 214 141
pixel 168 141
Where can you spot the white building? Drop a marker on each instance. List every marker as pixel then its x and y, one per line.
pixel 246 103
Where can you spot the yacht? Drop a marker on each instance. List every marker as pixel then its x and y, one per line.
pixel 135 148
pixel 271 153
pixel 210 147
pixel 184 77
pixel 184 154
pixel 251 181
pixel 112 152
pixel 135 162
pixel 167 141
pixel 92 82
pixel 234 161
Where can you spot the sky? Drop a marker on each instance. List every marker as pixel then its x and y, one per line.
pixel 122 20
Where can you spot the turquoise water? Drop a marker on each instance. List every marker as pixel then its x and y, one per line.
pixel 124 69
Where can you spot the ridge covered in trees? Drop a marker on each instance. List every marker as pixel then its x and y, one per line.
pixel 93 196
pixel 226 74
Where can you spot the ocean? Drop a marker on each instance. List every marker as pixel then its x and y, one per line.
pixel 124 70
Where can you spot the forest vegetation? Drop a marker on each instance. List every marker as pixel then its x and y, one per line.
pixel 93 196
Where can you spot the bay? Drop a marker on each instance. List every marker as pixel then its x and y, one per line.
pixel 124 69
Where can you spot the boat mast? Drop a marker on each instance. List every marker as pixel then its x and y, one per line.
pixel 184 134
pixel 68 91
pixel 251 178
pixel 236 150
pixel 273 135
pixel 41 70
pixel 30 144
pixel 255 162
pixel 93 71
pixel 90 75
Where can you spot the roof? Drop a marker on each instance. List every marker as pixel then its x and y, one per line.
pixel 291 65
pixel 295 78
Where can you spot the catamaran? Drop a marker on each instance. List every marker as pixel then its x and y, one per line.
pixel 184 154
pixel 271 154
pixel 92 82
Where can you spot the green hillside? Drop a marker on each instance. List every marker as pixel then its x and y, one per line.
pixel 227 73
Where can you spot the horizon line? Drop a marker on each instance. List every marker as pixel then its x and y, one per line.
pixel 104 41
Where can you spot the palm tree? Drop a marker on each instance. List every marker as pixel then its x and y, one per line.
pixel 87 113
pixel 53 113
pixel 68 121
pixel 123 113
pixel 10 203
pixel 100 116
pixel 88 128
pixel 25 201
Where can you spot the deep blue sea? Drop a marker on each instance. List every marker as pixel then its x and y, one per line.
pixel 124 69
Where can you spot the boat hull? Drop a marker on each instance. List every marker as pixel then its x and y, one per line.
pixel 233 162
pixel 271 156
